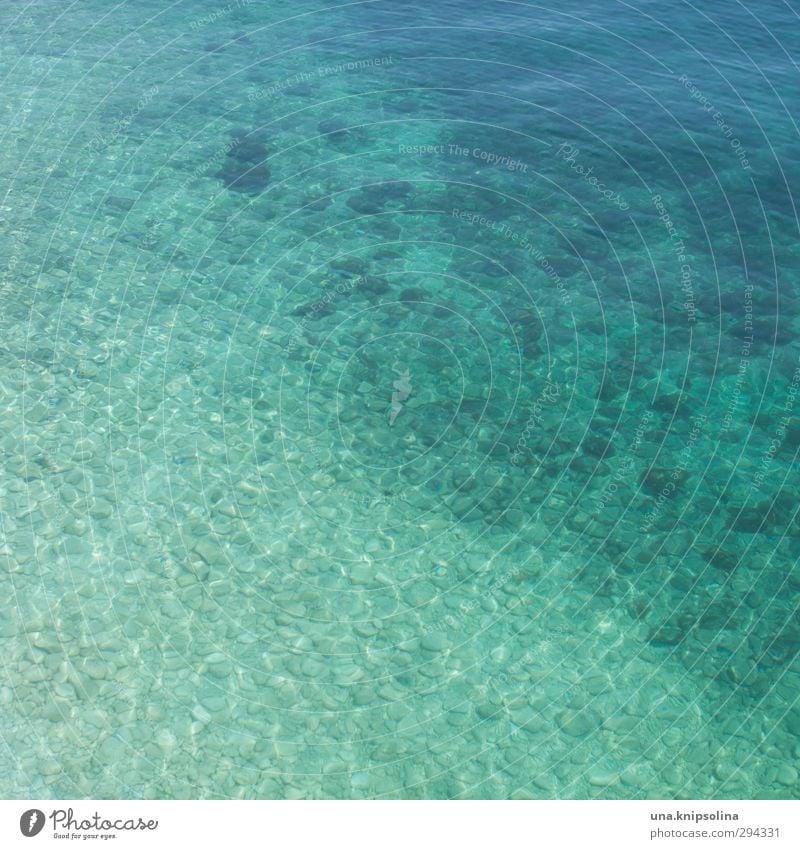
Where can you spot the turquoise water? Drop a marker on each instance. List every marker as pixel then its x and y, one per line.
pixel 399 400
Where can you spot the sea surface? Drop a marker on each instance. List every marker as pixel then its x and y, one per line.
pixel 399 399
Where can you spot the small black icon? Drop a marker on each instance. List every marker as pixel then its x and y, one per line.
pixel 31 822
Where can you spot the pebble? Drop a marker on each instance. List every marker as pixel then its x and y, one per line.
pixel 101 509
pixel 54 711
pixel 787 775
pixel 433 670
pixel 209 551
pixel 75 527
pixel 523 795
pixel 110 643
pixel 485 710
pixel 525 717
pixel 220 670
pixel 311 668
pixel 596 685
pixel 112 750
pixel 46 641
pixel 576 724
pixel 724 770
pixel 435 641
pixel 599 777
pixel 201 714
pixel 363 696
pixel 215 704
pixel 95 669
pixel 361 573
pixel 621 724
pixel 546 781
pixel 72 547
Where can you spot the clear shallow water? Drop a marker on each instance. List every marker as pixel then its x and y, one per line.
pixel 399 401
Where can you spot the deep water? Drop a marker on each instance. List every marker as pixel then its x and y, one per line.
pixel 399 400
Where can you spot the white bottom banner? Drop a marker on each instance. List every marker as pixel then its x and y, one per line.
pixel 386 825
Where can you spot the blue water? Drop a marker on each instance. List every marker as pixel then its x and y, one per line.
pixel 399 400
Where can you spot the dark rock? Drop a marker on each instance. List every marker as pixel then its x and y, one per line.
pixel 781 510
pixel 372 199
pixel 764 420
pixel 718 615
pixel 589 249
pixel 531 351
pixel 750 520
pixel 247 180
pixel 313 309
pixel 528 334
pixel 386 229
pixel 525 318
pixel 122 203
pixel 582 464
pixel 332 126
pixel 349 265
pixel 134 238
pixel 374 285
pixel 598 447
pixel 387 253
pixel 337 132
pixel 245 169
pixel 792 438
pixel 684 583
pixel 472 406
pixel 414 294
pixel 667 403
pixel 249 150
pixel 666 635
pixel 655 480
pixel 639 608
pixel 365 204
pixel 394 189
pixel 720 559
pixel 489 268
pixel 609 388
pixel 313 204
pixel 784 646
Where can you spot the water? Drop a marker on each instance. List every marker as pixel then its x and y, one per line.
pixel 399 400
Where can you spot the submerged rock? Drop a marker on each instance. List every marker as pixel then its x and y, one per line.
pixel 313 309
pixel 727 561
pixel 245 169
pixel 333 127
pixel 316 204
pixel 375 285
pixel 365 204
pixel 414 294
pixel 349 265
pixel 577 723
pixel 372 199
